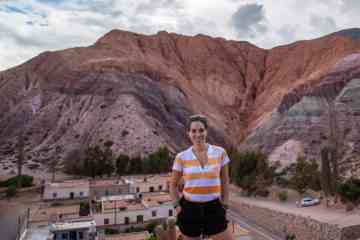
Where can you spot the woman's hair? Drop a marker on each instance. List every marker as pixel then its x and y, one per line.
pixel 198 118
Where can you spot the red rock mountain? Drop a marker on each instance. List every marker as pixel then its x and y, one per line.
pixel 139 90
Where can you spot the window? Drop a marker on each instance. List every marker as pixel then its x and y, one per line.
pixel 81 235
pixel 137 189
pixel 170 212
pixel 81 194
pixel 64 236
pixel 139 218
pixel 127 220
pixel 106 192
pixel 106 221
pixel 160 187
pixel 151 189
pixel 153 213
pixel 54 194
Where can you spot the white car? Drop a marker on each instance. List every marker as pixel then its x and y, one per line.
pixel 309 201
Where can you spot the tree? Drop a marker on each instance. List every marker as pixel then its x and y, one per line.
pixel 350 190
pixel 326 180
pixel 122 162
pixel 55 162
pixel 305 175
pixel 20 157
pixel 251 171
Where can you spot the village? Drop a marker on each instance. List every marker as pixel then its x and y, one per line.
pixel 129 207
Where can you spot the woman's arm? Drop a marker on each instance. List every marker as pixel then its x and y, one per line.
pixel 225 181
pixel 174 184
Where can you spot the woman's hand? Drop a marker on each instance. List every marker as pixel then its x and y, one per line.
pixel 178 210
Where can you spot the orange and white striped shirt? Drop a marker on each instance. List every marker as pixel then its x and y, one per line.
pixel 201 184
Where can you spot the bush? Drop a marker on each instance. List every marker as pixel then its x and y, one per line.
pixel 84 209
pixel 11 191
pixel 349 191
pixel 262 192
pixel 110 231
pixel 252 172
pixel 26 181
pixel 283 196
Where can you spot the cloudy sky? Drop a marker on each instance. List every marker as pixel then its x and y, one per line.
pixel 29 27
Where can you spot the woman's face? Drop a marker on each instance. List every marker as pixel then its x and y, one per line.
pixel 197 133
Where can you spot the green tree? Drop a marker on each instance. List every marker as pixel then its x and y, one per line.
pixel 122 162
pixel 349 190
pixel 304 175
pixel 252 171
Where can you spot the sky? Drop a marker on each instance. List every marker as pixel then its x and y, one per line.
pixel 30 27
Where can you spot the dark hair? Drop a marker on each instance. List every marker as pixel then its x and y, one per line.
pixel 198 118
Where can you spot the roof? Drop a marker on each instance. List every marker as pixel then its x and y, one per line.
pixel 161 178
pixel 118 197
pixel 61 226
pixel 156 200
pixel 107 182
pixel 129 236
pixel 126 204
pixel 69 184
pixel 45 214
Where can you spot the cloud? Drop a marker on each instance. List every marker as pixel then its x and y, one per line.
pixel 249 20
pixel 30 27
pixel 323 24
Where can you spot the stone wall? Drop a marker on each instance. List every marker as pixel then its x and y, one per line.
pixel 304 228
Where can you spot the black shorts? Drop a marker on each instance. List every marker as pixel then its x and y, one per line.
pixel 195 219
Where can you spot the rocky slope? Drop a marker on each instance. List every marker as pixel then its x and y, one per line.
pixel 138 91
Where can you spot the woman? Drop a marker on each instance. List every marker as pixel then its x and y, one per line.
pixel 201 206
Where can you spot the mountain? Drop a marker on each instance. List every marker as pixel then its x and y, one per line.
pixel 138 91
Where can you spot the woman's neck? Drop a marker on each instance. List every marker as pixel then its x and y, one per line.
pixel 200 147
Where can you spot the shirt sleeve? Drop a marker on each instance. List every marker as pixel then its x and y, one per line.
pixel 224 159
pixel 177 166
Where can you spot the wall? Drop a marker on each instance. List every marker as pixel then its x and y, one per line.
pixel 304 228
pixel 64 193
pixel 161 213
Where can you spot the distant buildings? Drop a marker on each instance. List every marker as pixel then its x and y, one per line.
pixel 74 189
pixel 73 230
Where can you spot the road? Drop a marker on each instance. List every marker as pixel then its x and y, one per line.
pixel 258 232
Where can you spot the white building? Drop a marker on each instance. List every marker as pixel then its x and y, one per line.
pixel 134 212
pixel 74 230
pixel 74 189
pixel 148 184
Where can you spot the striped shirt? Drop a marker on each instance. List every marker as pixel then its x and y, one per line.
pixel 201 184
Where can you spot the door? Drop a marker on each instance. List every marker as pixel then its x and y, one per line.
pixel 73 235
pixel 71 195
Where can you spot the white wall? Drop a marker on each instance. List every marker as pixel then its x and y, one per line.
pixel 161 212
pixel 64 193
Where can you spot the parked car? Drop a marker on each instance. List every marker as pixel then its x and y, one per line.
pixel 308 201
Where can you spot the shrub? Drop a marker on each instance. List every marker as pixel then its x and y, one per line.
pixel 110 231
pixel 11 191
pixel 349 191
pixel 252 172
pixel 26 181
pixel 283 196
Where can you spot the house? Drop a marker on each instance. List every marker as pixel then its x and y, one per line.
pixel 43 215
pixel 149 184
pixel 72 189
pixel 134 212
pixel 128 236
pixel 108 187
pixel 73 230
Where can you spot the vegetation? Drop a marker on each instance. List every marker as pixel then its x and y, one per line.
pixel 252 172
pixel 84 209
pixel 304 175
pixel 283 196
pixel 349 191
pixel 26 181
pixel 98 161
pixel 11 191
pixel 110 231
